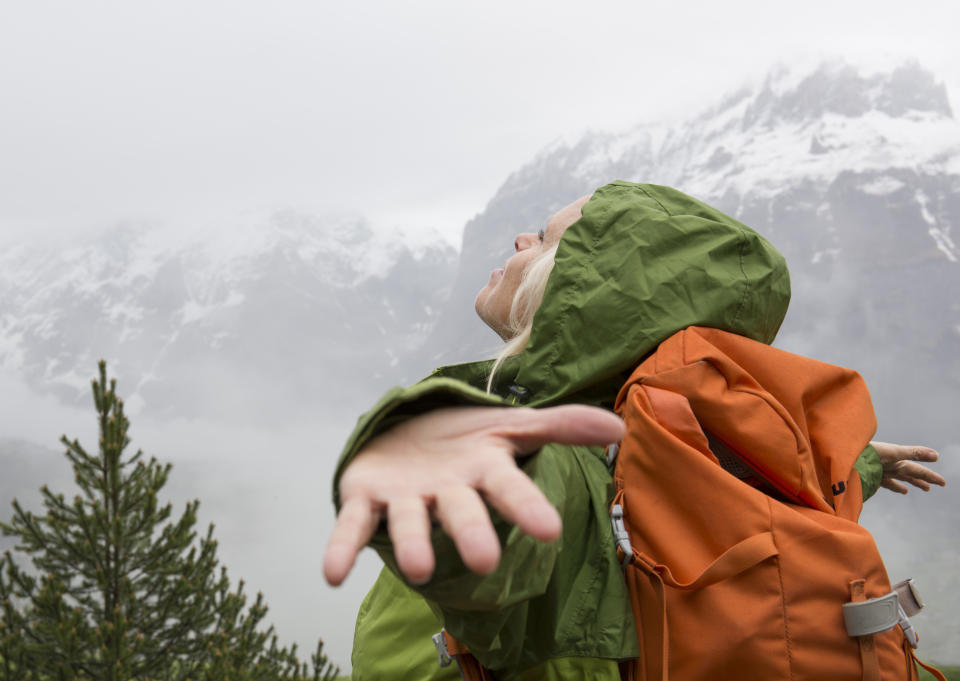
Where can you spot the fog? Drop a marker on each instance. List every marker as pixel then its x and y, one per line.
pixel 412 114
pixel 181 116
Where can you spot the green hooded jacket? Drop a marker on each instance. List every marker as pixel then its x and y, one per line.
pixel 643 262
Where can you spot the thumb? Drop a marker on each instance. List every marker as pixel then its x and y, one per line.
pixel 572 424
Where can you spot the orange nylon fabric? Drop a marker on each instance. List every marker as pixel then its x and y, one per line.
pixel 745 578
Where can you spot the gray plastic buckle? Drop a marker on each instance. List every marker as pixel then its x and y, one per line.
pixel 909 597
pixel 908 631
pixel 612 450
pixel 620 534
pixel 443 654
pixel 872 616
pixel 881 614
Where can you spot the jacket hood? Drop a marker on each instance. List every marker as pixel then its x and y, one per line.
pixel 643 262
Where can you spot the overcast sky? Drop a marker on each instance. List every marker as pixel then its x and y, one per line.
pixel 411 113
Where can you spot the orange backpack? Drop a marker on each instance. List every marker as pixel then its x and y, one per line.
pixel 736 517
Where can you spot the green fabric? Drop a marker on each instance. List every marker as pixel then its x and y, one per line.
pixel 389 642
pixel 399 404
pixel 870 470
pixel 643 262
pixel 572 669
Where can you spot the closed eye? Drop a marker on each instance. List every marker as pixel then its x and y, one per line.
pixel 541 234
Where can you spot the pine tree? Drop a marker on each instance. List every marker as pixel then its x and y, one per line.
pixel 120 591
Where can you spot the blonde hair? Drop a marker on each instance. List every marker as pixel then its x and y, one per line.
pixel 525 303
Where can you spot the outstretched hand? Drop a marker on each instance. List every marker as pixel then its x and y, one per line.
pixel 900 462
pixel 446 464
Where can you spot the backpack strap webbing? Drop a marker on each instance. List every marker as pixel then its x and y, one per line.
pixel 868 647
pixel 470 667
pixel 936 673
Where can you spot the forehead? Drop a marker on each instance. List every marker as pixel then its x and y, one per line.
pixel 563 218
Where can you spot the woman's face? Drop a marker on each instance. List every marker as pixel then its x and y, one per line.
pixel 494 300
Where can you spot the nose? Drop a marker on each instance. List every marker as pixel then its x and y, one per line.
pixel 525 241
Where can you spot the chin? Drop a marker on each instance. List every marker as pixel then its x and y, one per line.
pixel 481 309
pixel 478 305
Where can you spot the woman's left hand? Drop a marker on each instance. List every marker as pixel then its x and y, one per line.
pixel 900 462
pixel 450 465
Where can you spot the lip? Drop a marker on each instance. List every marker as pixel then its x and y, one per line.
pixel 497 273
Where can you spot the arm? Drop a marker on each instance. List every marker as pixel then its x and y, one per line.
pixel 446 464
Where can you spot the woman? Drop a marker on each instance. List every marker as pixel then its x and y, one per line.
pixel 537 593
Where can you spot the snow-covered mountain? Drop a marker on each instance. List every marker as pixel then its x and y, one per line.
pixel 853 174
pixel 222 323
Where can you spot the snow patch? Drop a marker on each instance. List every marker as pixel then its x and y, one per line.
pixel 944 243
pixel 193 311
pixel 924 200
pixel 940 236
pixel 72 378
pixel 882 186
pixel 775 159
pixel 11 347
pixel 787 77
pixel 819 256
pixel 218 339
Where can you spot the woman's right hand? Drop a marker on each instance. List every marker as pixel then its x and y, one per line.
pixel 446 464
pixel 901 463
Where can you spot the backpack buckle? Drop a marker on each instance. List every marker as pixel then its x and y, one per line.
pixel 443 653
pixel 620 534
pixel 909 632
pixel 909 597
pixel 872 616
pixel 612 450
pixel 863 618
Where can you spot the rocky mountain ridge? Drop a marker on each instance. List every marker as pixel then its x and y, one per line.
pixel 845 172
pixel 204 324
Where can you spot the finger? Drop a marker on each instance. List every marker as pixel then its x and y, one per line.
pixel 891 453
pixel 408 524
pixel 464 517
pixel 520 501
pixel 917 482
pixel 918 474
pixel 354 526
pixel 894 486
pixel 571 424
pixel 932 477
pixel 923 454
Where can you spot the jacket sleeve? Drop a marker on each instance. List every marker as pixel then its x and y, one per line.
pixel 399 404
pixel 543 595
pixel 870 470
pixel 531 591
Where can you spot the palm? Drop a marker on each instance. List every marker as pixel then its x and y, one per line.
pixel 447 465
